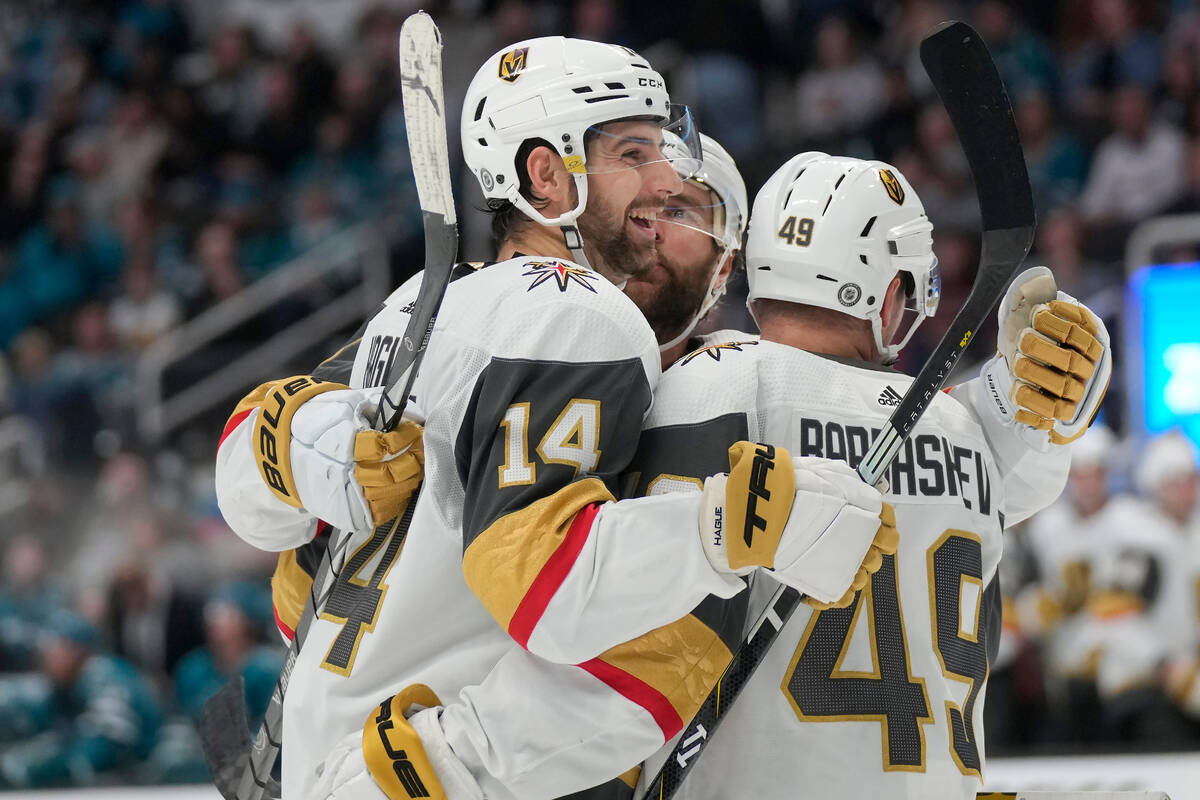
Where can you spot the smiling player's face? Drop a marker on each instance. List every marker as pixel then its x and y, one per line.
pixel 671 292
pixel 629 181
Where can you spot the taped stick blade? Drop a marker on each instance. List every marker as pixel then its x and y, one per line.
pixel 965 77
pixel 225 738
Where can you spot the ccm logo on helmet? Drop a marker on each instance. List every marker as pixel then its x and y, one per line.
pixel 764 462
pixel 404 769
pixel 513 63
pixel 653 83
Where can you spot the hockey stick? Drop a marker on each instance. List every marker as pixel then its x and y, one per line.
pixel 962 71
pixel 241 769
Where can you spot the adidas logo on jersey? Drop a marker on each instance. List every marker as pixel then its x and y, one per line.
pixel 889 397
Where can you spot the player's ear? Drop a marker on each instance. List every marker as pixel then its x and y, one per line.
pixel 893 303
pixel 549 180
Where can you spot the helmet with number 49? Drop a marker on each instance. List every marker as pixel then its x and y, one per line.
pixel 833 232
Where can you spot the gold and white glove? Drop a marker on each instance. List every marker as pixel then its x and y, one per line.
pixel 1054 361
pixel 400 754
pixel 810 522
pixel 316 449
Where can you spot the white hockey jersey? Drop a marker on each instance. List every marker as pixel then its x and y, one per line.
pixel 884 698
pixel 534 388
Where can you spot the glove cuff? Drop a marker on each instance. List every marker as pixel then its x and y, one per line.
pixel 713 526
pixel 456 779
pixel 272 436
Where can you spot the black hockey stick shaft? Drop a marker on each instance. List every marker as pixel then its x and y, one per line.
pixel 965 77
pixel 249 776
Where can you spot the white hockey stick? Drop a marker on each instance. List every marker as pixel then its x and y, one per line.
pixel 240 769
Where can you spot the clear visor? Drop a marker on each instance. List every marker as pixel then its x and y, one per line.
pixel 634 144
pixel 920 301
pixel 706 217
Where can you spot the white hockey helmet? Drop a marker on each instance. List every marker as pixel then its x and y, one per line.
pixel 833 231
pixel 1169 456
pixel 557 89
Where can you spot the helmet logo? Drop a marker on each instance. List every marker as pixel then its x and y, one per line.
pixel 891 185
pixel 512 64
pixel 486 179
pixel 849 294
pixel 574 165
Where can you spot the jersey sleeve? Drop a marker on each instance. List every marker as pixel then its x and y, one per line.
pixel 560 565
pixel 591 724
pixel 1033 478
pixel 249 507
pixel 595 721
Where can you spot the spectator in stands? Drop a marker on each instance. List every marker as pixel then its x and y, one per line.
pixel 1181 87
pixel 58 263
pixel 28 597
pixel 1119 53
pixel 144 312
pixel 843 92
pixel 1022 57
pixel 229 91
pixel 284 130
pixel 154 606
pixel 23 198
pixel 235 618
pixel 1138 170
pixel 313 73
pixel 1060 241
pixel 1057 162
pixel 90 715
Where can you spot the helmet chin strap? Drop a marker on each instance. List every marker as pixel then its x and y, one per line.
pixel 574 241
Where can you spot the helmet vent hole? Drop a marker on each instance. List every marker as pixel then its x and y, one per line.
pixel 867 228
pixel 821 277
pixel 605 97
pixel 582 89
pixel 828 200
pixel 892 248
pixel 841 178
pixel 614 85
pixel 479 108
pixel 482 142
pixel 863 259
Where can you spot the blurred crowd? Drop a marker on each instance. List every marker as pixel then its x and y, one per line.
pixel 159 156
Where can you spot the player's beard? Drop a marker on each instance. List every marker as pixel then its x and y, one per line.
pixel 609 245
pixel 669 298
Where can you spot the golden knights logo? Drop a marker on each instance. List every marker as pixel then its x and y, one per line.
pixel 564 275
pixel 512 64
pixel 891 185
pixel 713 351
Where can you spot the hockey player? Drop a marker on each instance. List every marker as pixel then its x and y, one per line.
pixel 699 239
pixel 951 472
pixel 530 411
pixel 884 697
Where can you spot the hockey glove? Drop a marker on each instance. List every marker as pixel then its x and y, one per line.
pixel 316 450
pixel 1054 362
pixel 400 754
pixel 811 522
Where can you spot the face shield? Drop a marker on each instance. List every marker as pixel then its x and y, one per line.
pixel 630 144
pixel 922 293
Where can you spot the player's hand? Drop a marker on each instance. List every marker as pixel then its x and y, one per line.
pixel 401 753
pixel 811 522
pixel 1054 362
pixel 316 450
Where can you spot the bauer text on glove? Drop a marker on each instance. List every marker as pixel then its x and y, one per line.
pixel 316 450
